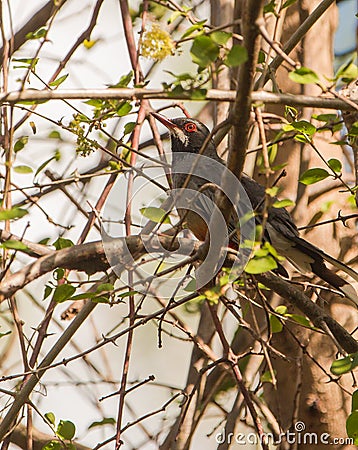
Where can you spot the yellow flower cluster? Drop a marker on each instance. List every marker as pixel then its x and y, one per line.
pixel 156 43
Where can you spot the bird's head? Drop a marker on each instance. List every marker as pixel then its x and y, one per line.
pixel 187 135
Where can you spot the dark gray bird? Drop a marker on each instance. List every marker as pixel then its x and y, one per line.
pixel 187 138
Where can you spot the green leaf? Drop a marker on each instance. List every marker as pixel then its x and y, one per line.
pixel 53 445
pixel 22 169
pixel 129 127
pixel 154 214
pixel 20 143
pixel 270 7
pixel 105 421
pixel 59 80
pixel 47 291
pixel 123 109
pixel 50 416
pixel 347 72
pixel 344 365
pixel 124 80
pixel 15 245
pixel 104 287
pixel 43 165
pixel 283 203
pixel 304 127
pixel 236 56
pixel 355 401
pixel 196 27
pixel 304 75
pixel 63 292
pixel 353 130
pixel 220 37
pixel 325 117
pixel 266 377
pixel 127 294
pixel 260 265
pixel 275 324
pixel 66 429
pixel 302 320
pixel 288 3
pixel 335 165
pixel 54 134
pixel 40 33
pixel 13 213
pixel 62 243
pixel 312 176
pixel 352 426
pixel 204 51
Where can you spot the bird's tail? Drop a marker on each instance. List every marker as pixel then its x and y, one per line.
pixel 319 268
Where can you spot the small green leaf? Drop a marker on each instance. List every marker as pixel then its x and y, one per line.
pixel 54 134
pixel 59 80
pixel 66 429
pixel 62 243
pixel 43 165
pixel 347 72
pixel 275 324
pixel 325 117
pixel 266 377
pixel 14 245
pixel 302 320
pixel 40 33
pixel 304 126
pixel 204 51
pixel 13 213
pixel 355 401
pixel 63 292
pixel 50 416
pixel 352 426
pixel 127 294
pixel 123 109
pixel 220 37
pixel 105 421
pixel 283 203
pixel 353 129
pixel 236 56
pixel 344 365
pixel 335 165
pixel 312 176
pixel 288 3
pixel 129 127
pixel 47 291
pixel 260 265
pixel 104 287
pixel 154 214
pixel 270 7
pixel 20 143
pixel 22 169
pixel 123 81
pixel 304 75
pixel 53 445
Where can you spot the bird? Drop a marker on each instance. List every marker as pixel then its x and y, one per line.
pixel 187 138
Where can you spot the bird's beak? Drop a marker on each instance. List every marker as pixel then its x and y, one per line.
pixel 166 122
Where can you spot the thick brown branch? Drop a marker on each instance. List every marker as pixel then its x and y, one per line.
pixel 156 94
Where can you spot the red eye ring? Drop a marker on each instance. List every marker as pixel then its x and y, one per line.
pixel 190 127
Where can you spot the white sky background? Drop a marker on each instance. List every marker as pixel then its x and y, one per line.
pixel 104 64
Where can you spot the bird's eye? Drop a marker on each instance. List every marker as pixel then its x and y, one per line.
pixel 190 127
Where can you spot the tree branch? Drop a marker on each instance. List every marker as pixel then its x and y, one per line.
pixel 135 94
